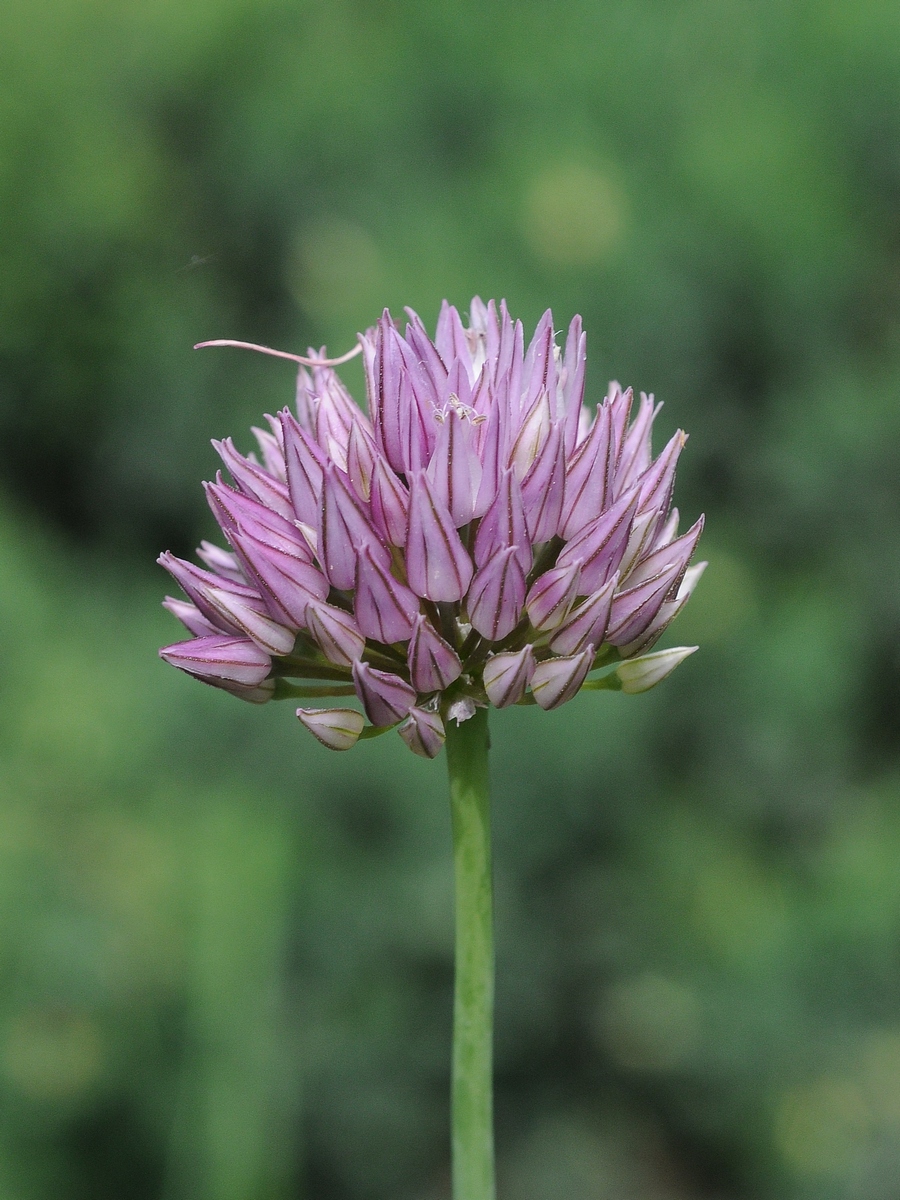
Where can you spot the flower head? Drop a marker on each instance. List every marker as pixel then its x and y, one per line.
pixel 479 537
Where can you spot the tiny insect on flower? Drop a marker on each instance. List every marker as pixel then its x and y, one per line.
pixel 478 536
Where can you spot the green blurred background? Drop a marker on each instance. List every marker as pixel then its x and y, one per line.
pixel 225 953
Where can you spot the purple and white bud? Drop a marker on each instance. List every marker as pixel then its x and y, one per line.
pixel 634 609
pixel 235 659
pixel 335 632
pixel 551 596
pixel 641 674
pixel 557 680
pixel 234 512
pixel 385 609
pixel 503 525
pixel 433 663
pixel 260 693
pixel 249 614
pixel 271 450
pixel 587 623
pixel 342 527
pixel 194 582
pixel 543 488
pixel 658 481
pixel 336 728
pixel 389 504
pixel 507 676
pixel 455 470
pixel 304 466
pixel 588 476
pixel 497 595
pixel 600 545
pixel 533 433
pixel 437 564
pixel 361 457
pixel 286 582
pixel 386 697
pixel 423 732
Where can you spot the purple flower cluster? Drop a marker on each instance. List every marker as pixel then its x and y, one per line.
pixel 480 537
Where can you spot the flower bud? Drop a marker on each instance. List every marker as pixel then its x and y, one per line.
pixel 641 674
pixel 234 659
pixel 337 634
pixel 423 732
pixel 506 676
pixel 433 663
pixel 556 680
pixel 385 697
pixel 336 728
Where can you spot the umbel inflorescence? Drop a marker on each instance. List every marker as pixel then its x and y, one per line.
pixel 480 537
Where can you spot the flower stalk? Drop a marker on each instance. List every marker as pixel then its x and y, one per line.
pixel 473 1001
pixel 477 536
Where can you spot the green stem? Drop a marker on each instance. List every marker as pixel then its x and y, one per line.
pixel 473 1002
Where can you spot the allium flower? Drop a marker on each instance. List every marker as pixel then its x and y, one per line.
pixel 480 537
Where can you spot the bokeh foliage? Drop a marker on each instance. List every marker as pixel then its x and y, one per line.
pixel 226 953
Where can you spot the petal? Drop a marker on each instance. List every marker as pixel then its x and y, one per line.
pixel 336 633
pixel 454 470
pixel 423 732
pixel 634 609
pixel 433 663
pixel 235 511
pixel 342 527
pixel 572 381
pixel 586 625
pixel 386 697
pixel 600 546
pixel 270 447
pixel 635 455
pixel 304 463
pixel 658 480
pixel 503 525
pixel 221 562
pixel 191 617
pixel 194 581
pixel 588 476
pixel 539 369
pixel 677 552
pixel 361 455
pixel 260 693
pixel 286 583
pixel 389 504
pixel 250 616
pixel 557 680
pixel 236 659
pixel 437 564
pixel 497 596
pixel 543 488
pixel 506 676
pixel 552 595
pixel 450 337
pixel 531 436
pixel 385 609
